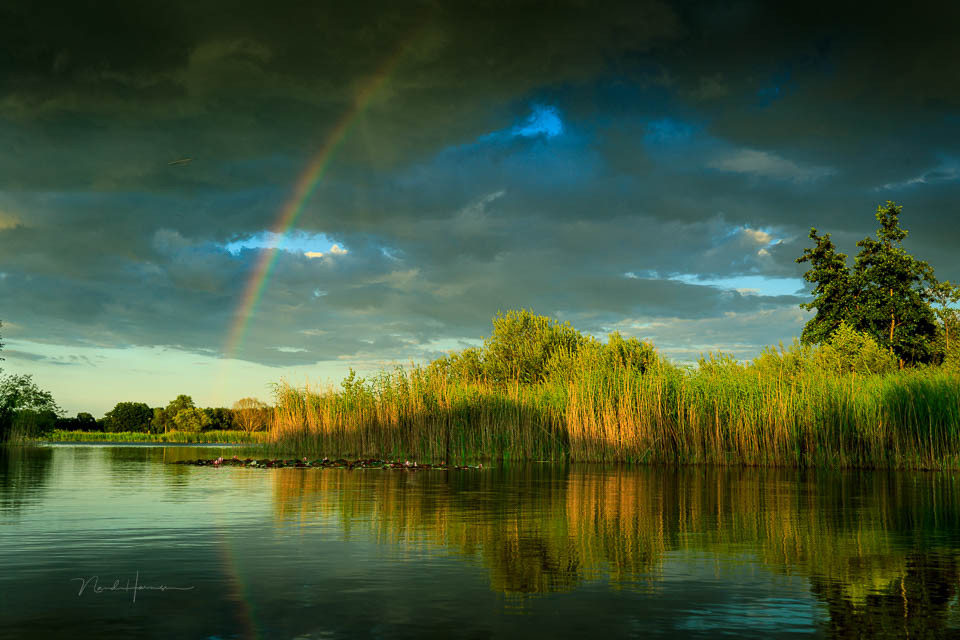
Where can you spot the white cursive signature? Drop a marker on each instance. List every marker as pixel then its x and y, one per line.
pixel 94 583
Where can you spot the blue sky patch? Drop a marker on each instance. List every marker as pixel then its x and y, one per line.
pixel 294 242
pixel 544 120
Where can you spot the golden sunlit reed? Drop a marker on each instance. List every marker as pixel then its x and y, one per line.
pixel 539 390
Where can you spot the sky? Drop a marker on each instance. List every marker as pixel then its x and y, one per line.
pixel 213 197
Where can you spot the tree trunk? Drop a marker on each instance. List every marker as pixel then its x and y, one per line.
pixel 893 323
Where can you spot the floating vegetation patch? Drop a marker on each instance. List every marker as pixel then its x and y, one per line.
pixel 323 463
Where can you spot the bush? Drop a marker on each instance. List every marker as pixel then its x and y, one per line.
pixel 785 362
pixel 524 344
pixel 630 354
pixel 852 351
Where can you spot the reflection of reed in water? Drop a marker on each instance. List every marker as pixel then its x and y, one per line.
pixel 541 529
pixel 24 475
pixel 503 519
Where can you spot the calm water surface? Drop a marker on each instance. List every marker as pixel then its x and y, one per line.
pixel 540 550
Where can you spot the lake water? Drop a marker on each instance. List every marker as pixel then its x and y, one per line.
pixel 537 550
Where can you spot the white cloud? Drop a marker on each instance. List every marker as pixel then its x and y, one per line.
pixel 946 171
pixel 767 165
pixel 758 236
pixel 335 250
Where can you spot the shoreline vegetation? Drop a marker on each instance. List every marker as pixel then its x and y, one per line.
pixel 174 437
pixel 842 404
pixel 873 383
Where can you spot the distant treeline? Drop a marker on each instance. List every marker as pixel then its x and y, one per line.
pixel 181 414
pixel 38 415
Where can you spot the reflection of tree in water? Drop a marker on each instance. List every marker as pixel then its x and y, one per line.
pixel 24 472
pixel 898 576
pixel 864 539
pixel 916 606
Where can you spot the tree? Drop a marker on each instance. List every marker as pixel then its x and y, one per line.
pixel 180 403
pixel 163 419
pixel 887 295
pixel 219 418
pixel 946 295
pixel 86 420
pixel 83 422
pixel 251 414
pixel 832 291
pixel 19 394
pixel 129 416
pixel 892 290
pixel 190 419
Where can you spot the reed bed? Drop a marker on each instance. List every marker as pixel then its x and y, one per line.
pixel 731 414
pixel 418 416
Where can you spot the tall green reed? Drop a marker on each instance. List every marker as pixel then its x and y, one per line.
pixel 727 414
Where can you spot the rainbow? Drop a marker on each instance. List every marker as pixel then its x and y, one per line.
pixel 303 188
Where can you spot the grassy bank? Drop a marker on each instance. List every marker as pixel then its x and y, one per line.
pixel 544 392
pixel 232 437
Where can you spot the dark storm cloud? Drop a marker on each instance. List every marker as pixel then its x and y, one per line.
pixel 699 141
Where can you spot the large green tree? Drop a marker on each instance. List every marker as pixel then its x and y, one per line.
pixel 887 295
pixel 23 403
pixel 893 291
pixel 129 416
pixel 19 392
pixel 21 400
pixel 163 419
